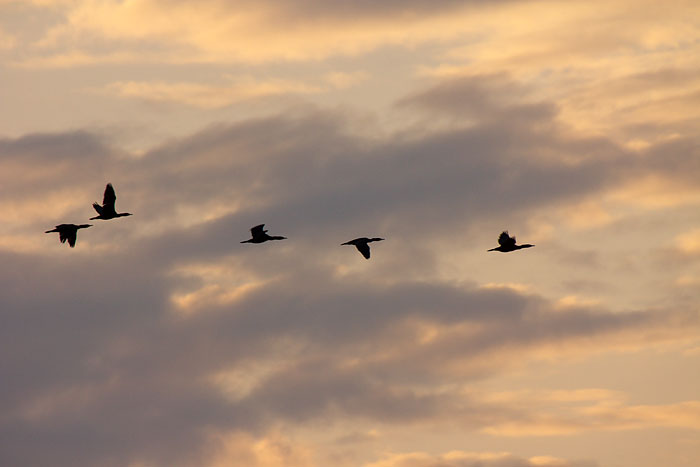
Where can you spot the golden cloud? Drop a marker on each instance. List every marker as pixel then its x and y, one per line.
pixel 204 95
pixel 560 412
pixel 256 32
pixel 272 450
pixel 467 459
pixel 343 80
pixel 689 242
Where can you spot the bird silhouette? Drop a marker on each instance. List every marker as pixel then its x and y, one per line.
pixel 507 243
pixel 260 235
pixel 362 244
pixel 106 210
pixel 68 232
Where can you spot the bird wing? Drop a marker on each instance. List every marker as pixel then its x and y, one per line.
pixel 506 240
pixel 110 197
pixel 72 237
pixel 98 208
pixel 363 248
pixel 257 230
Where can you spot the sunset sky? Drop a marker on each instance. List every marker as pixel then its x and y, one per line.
pixel 160 340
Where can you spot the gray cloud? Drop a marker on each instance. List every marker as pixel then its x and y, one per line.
pixel 348 11
pixel 98 368
pixel 130 380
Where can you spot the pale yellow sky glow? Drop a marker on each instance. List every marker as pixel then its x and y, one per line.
pixel 161 340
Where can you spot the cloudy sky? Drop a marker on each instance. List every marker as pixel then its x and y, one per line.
pixel 160 340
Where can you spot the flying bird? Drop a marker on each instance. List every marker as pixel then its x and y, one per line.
pixel 507 243
pixel 362 244
pixel 106 211
pixel 68 232
pixel 260 235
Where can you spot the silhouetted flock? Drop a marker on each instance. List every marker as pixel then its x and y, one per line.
pixel 107 211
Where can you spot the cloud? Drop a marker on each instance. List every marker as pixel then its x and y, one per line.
pixel 480 98
pixel 311 30
pixel 7 41
pixel 160 332
pixel 474 459
pixel 270 451
pixel 342 350
pixel 206 96
pixel 562 413
pixel 343 80
pixel 253 32
pixel 689 242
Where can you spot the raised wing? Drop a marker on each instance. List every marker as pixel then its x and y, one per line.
pixel 98 208
pixel 257 230
pixel 110 197
pixel 506 240
pixel 363 248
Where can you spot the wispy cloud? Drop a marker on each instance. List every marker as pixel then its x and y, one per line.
pixel 343 80
pixel 205 95
pixel 254 32
pixel 474 459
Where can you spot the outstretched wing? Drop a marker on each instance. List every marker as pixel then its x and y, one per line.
pixel 110 196
pixel 98 208
pixel 257 230
pixel 506 240
pixel 363 248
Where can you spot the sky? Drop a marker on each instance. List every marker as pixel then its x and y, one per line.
pixel 160 340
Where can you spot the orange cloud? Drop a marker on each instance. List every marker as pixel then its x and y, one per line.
pixel 559 413
pixel 205 95
pixel 689 242
pixel 468 459
pixel 255 32
pixel 343 80
pixel 656 191
pixel 272 450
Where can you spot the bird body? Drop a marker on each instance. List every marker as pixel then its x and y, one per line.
pixel 259 235
pixel 507 243
pixel 106 210
pixel 362 244
pixel 68 232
